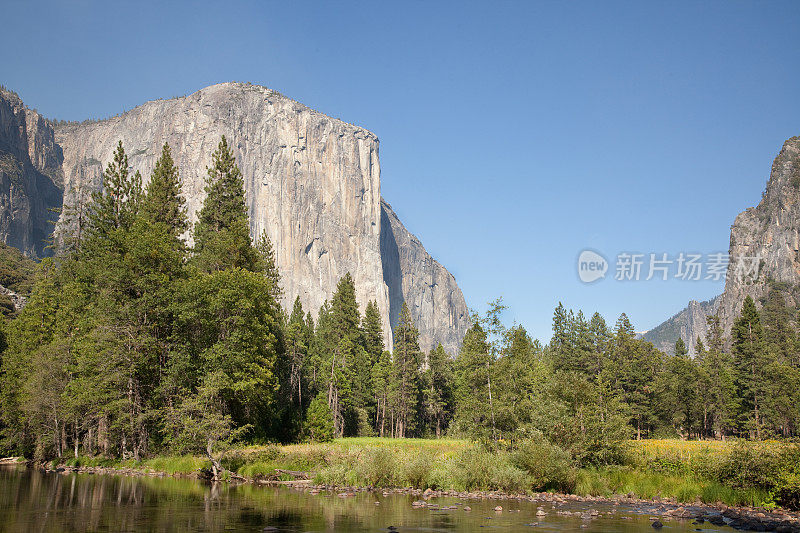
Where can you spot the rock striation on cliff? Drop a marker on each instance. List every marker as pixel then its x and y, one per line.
pixel 429 290
pixel 30 176
pixel 312 183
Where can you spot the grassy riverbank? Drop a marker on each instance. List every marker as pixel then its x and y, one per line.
pixel 741 474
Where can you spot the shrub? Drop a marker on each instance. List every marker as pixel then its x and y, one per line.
pixel 378 468
pixel 763 468
pixel 478 468
pixel 787 492
pixel 749 465
pixel 415 471
pixel 319 424
pixel 342 469
pixel 548 466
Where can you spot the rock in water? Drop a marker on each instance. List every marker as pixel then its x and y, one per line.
pixel 312 183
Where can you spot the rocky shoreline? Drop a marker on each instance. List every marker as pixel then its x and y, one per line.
pixel 591 507
pixel 741 518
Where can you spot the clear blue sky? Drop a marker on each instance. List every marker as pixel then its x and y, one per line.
pixel 513 135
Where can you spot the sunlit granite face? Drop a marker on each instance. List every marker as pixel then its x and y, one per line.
pixel 312 183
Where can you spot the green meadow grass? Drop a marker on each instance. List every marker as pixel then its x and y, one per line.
pixel 678 470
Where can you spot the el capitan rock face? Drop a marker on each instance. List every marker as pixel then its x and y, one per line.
pixel 429 290
pixel 312 183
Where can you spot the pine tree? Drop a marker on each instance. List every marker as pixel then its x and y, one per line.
pixel 680 348
pixel 717 382
pixel 345 316
pixel 372 332
pixel 518 377
pixel 229 325
pixel 747 336
pixel 601 342
pixel 296 351
pixel 69 234
pixel 438 389
pixel 405 376
pixel 163 203
pixel 582 358
pixel 472 367
pixel 339 359
pixel 677 384
pixel 116 204
pixel 561 337
pixel 776 317
pixel 152 266
pixel 345 336
pixel 319 423
pixel 381 386
pixel 266 255
pixel 110 260
pixel 634 365
pixel 222 234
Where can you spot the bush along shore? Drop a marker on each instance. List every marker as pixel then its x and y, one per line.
pixel 747 485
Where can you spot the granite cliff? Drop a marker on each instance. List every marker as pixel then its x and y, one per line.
pixel 687 324
pixel 769 232
pixel 30 176
pixel 769 235
pixel 312 183
pixel 429 290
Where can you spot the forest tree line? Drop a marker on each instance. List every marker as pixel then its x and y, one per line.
pixel 133 344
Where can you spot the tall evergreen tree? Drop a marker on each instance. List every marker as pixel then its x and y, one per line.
pixel 406 386
pixel 472 366
pixel 296 351
pixel 677 384
pixel 222 234
pixel 266 254
pixel 776 316
pixel 115 205
pixel 634 365
pixel 340 358
pixel 747 336
pixel 716 382
pixel 438 389
pixel 680 348
pixel 155 259
pixel 163 203
pixel 381 386
pixel 229 327
pixel 372 332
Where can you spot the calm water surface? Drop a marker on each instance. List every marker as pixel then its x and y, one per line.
pixel 36 501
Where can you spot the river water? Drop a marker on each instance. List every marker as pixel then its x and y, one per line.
pixel 35 501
